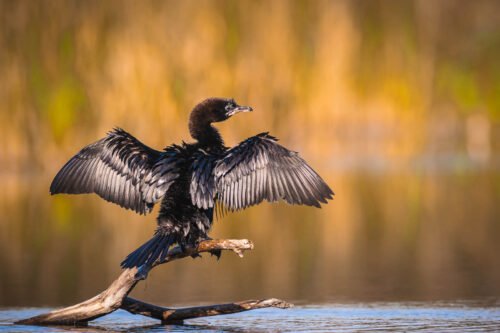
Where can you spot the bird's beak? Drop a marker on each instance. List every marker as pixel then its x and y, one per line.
pixel 238 109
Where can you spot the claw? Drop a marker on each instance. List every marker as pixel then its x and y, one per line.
pixel 216 253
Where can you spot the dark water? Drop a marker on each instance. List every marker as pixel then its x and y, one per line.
pixel 362 317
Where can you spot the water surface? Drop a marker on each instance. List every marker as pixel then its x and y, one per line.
pixel 349 317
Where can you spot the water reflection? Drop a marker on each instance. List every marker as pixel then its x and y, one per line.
pixel 384 237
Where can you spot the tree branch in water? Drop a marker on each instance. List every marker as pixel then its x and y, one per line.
pixel 115 296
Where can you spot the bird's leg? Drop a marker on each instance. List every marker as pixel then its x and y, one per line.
pixel 196 255
pixel 217 253
pixel 187 247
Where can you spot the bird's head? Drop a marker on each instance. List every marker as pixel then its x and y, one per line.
pixel 219 109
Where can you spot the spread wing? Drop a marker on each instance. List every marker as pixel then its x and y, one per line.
pixel 260 169
pixel 120 169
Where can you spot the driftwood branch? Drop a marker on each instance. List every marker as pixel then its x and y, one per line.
pixel 177 316
pixel 115 295
pixel 79 314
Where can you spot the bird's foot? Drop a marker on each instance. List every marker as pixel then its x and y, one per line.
pixel 216 253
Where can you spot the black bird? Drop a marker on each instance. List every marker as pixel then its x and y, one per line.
pixel 191 179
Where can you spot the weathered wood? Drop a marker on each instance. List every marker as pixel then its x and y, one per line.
pixel 111 299
pixel 79 314
pixel 177 316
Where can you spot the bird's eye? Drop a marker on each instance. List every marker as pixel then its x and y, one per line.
pixel 229 106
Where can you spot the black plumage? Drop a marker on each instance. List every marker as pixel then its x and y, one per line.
pixel 190 179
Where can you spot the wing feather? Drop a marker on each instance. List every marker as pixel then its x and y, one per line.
pixel 260 169
pixel 120 169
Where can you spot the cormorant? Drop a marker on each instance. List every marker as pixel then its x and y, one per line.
pixel 191 179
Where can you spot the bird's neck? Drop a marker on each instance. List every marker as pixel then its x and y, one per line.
pixel 202 131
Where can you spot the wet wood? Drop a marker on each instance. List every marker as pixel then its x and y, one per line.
pixel 112 298
pixel 177 316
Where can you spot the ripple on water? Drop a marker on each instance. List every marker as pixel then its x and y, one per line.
pixel 421 317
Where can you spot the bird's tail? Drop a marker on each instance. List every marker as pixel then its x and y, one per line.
pixel 154 249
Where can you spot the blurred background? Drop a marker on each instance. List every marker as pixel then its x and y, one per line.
pixel 395 103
